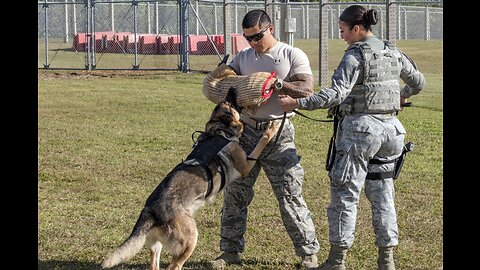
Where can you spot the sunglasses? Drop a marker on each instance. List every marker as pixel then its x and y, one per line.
pixel 257 36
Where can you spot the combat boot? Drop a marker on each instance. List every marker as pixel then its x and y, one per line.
pixel 336 259
pixel 385 258
pixel 224 259
pixel 309 261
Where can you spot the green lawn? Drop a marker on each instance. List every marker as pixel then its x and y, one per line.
pixel 106 139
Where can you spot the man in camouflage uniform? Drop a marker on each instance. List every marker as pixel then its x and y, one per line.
pixel 279 159
pixel 369 137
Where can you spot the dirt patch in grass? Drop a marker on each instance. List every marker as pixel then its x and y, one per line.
pixel 83 74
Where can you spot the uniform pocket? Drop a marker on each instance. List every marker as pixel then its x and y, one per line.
pixel 400 129
pixel 340 172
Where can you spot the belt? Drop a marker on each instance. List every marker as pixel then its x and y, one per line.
pixel 257 124
pixel 388 113
pixel 379 113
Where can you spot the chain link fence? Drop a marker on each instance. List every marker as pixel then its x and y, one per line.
pixel 190 35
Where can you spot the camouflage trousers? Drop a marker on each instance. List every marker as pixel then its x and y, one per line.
pixel 361 137
pixel 283 170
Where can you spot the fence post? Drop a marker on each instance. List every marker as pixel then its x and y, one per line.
pixel 391 21
pixel 307 23
pixel 427 23
pixel 405 30
pixel 88 35
pixel 197 28
pixel 399 23
pixel 65 40
pixel 156 18
pixel 330 13
pixel 149 19
pixel 304 23
pixel 92 34
pixel 235 16
pixel 382 25
pixel 275 16
pixel 112 15
pixel 74 17
pixel 269 8
pixel 323 40
pixel 45 6
pixel 289 23
pixel 184 35
pixel 227 26
pixel 215 16
pixel 135 48
pixel 339 12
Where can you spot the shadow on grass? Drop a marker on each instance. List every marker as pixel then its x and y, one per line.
pixel 78 265
pixel 429 108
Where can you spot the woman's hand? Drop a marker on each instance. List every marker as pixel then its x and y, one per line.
pixel 404 103
pixel 287 103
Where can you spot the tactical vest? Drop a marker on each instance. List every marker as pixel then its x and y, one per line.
pixel 379 93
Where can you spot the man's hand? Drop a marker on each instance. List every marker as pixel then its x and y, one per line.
pixel 270 84
pixel 287 103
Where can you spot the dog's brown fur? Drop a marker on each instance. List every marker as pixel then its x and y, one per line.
pixel 167 217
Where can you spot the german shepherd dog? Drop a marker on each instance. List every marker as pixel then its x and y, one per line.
pixel 167 220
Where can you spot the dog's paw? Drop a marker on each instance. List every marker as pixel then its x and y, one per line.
pixel 273 128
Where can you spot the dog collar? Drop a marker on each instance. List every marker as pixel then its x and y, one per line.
pixel 227 135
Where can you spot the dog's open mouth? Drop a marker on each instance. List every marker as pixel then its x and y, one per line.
pixel 232 99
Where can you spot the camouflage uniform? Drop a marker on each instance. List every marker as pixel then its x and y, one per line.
pixel 283 170
pixel 362 136
pixel 281 165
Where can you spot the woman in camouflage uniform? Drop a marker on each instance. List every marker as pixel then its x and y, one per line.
pixel 367 96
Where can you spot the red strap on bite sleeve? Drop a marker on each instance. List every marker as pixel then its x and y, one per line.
pixel 266 93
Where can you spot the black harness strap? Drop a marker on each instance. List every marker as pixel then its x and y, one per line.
pixel 222 182
pixel 208 174
pixel 380 175
pixel 379 162
pixel 397 168
pixel 209 179
pixel 204 153
pixel 278 134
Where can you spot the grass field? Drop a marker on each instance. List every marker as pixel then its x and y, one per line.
pixel 106 139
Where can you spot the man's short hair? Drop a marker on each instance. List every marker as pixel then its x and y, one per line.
pixel 255 17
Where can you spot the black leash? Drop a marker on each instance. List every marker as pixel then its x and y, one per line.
pixel 283 123
pixel 308 117
pixel 331 146
pixel 193 134
pixel 278 134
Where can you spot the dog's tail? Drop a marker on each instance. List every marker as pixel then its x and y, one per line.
pixel 133 244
